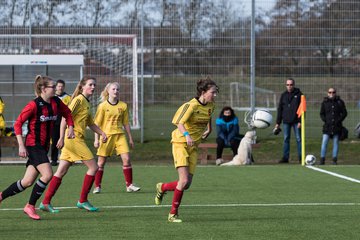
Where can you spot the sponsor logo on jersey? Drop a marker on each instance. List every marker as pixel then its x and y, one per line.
pixel 47 118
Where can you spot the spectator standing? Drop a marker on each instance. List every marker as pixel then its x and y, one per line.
pixel 288 104
pixel 333 112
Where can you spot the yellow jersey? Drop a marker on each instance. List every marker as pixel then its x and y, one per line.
pixel 2 119
pixel 65 98
pixel 80 111
pixel 195 116
pixel 112 117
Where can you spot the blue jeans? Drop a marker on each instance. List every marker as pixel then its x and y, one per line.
pixel 287 133
pixel 325 141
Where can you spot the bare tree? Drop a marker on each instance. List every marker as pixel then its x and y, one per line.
pixel 12 10
pixel 25 10
pixel 337 33
pixel 308 37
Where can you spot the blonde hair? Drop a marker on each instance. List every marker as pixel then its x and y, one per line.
pixel 41 81
pixel 79 88
pixel 104 95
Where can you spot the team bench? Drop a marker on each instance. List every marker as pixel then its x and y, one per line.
pixel 204 154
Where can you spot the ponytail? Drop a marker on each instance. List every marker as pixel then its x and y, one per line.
pixel 41 81
pixel 79 88
pixel 204 84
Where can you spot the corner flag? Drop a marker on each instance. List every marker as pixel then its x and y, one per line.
pixel 302 106
pixel 300 112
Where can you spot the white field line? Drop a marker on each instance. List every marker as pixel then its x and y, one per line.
pixel 334 174
pixel 209 205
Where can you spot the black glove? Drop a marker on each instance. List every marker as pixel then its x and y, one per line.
pixel 276 131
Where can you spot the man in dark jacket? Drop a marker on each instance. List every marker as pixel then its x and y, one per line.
pixel 332 113
pixel 288 105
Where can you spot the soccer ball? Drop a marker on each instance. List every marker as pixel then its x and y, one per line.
pixel 310 159
pixel 261 119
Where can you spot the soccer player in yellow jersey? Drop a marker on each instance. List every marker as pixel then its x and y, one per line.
pixel 2 119
pixel 113 118
pixel 65 98
pixel 193 121
pixel 76 149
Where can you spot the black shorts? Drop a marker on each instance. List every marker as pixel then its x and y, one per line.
pixel 37 156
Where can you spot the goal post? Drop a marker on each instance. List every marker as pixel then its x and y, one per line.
pixel 18 73
pixel 109 58
pixel 240 97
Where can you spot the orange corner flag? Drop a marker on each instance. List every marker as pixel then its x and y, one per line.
pixel 302 106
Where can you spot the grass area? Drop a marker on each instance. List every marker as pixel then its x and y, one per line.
pixel 269 152
pixel 158 126
pixel 253 202
pixel 158 114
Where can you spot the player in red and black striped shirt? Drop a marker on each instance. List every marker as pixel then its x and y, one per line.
pixel 41 114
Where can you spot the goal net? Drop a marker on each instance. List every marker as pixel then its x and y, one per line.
pixel 240 97
pixel 108 58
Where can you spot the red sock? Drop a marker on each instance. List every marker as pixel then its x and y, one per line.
pixel 169 186
pixel 176 201
pixel 87 184
pixel 53 187
pixel 98 177
pixel 127 170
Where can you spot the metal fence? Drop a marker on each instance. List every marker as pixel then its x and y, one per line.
pixel 314 42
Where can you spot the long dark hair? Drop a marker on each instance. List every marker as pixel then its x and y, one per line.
pixel 226 108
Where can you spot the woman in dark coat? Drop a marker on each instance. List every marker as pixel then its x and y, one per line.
pixel 332 113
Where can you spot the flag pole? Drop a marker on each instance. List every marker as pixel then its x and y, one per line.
pixel 303 138
pixel 301 111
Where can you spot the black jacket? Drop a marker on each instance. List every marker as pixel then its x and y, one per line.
pixel 288 106
pixel 332 112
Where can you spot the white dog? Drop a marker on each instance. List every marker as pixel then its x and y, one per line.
pixel 244 156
